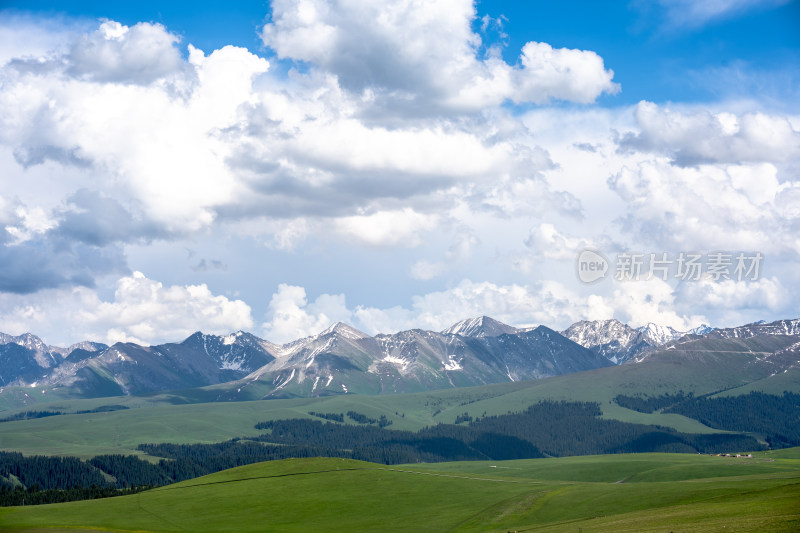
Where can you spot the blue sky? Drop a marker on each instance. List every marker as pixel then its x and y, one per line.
pixel 276 166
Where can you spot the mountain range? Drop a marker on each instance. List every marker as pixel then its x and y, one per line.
pixel 619 342
pixel 342 360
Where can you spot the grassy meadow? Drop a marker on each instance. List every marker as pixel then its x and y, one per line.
pixel 640 492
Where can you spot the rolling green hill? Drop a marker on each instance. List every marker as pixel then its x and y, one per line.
pixel 648 492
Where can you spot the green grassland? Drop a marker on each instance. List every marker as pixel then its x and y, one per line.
pixel 87 435
pixel 641 492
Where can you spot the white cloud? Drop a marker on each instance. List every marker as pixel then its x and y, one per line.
pixel 710 207
pixel 426 52
pixel 162 152
pixel 700 136
pixel 28 223
pixel 145 311
pixel 561 74
pixel 142 310
pixel 387 228
pixel 116 53
pixel 190 142
pixel 765 294
pixel 528 196
pixel 640 302
pixel 26 37
pixel 291 316
pixel 733 303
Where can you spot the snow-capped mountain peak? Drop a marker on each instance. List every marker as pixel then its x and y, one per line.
pixel 482 326
pixel 702 329
pixel 344 330
pixel 656 334
pixel 598 332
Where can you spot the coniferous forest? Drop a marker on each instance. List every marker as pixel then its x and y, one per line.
pixel 775 417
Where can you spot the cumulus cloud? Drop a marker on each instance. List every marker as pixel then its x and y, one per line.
pixel 141 310
pixel 73 244
pixel 561 74
pixel 145 310
pixel 291 316
pixel 92 218
pixel 333 165
pixel 117 53
pixel 191 142
pixel 640 302
pixel 27 37
pixel 426 52
pixel 762 295
pixel 526 196
pixel 144 143
pixel 35 256
pixel 387 228
pixel 732 302
pixel 710 207
pixel 699 136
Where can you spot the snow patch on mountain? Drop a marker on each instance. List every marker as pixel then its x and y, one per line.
pixel 453 364
pixel 399 361
pixel 228 340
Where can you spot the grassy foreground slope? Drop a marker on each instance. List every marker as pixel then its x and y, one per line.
pixel 647 492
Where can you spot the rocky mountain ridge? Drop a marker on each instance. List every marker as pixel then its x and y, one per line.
pixel 342 359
